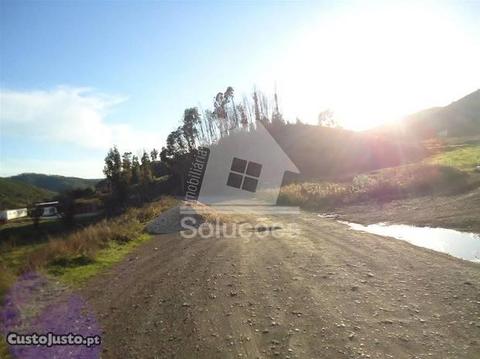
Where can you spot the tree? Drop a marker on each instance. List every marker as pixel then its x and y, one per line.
pixel 191 119
pixel 228 98
pixel 127 167
pixel 264 107
pixel 35 212
pixel 243 116
pixel 135 170
pixel 209 134
pixel 256 106
pixel 175 146
pixel 164 156
pixel 327 119
pixel 220 113
pixel 113 166
pixel 113 172
pixel 145 168
pixel 181 145
pixel 226 116
pixel 277 117
pixel 154 154
pixel 67 208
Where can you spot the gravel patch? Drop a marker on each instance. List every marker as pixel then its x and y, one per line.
pixel 170 220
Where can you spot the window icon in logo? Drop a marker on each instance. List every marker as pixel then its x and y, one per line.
pixel 244 174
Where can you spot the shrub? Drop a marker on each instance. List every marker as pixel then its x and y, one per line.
pixel 80 247
pixel 383 185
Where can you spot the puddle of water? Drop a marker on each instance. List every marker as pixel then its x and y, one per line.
pixel 458 244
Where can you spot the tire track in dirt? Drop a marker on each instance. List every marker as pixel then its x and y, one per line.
pixel 321 291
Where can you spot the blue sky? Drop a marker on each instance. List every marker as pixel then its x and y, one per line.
pixel 77 77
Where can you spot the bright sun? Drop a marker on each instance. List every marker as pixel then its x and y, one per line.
pixel 376 65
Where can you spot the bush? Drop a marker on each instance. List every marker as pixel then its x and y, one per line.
pixel 81 247
pixel 384 185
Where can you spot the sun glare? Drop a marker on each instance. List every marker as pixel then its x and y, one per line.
pixel 373 66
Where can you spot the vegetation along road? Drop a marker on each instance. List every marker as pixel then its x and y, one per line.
pixel 317 291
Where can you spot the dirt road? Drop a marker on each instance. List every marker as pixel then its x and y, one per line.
pixel 321 291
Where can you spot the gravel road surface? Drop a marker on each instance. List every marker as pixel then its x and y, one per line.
pixel 318 290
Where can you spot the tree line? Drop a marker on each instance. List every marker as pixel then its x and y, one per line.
pixel 196 128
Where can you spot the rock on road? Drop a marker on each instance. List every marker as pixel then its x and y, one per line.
pixel 319 291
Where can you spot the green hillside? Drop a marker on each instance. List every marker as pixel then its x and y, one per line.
pixel 54 182
pixel 14 194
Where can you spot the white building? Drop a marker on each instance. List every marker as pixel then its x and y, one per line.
pixel 9 214
pixel 49 209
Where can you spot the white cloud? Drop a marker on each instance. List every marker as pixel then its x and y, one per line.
pixel 68 115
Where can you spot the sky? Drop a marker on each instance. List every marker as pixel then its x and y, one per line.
pixel 78 77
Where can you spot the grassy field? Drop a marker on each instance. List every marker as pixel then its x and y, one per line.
pixel 22 231
pixel 450 171
pixel 77 255
pixel 464 158
pixel 72 256
pixel 78 272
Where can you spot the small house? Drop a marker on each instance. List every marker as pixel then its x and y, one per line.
pixel 9 214
pixel 48 209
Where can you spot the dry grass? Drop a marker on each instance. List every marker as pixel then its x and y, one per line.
pixel 76 257
pixel 7 277
pixel 81 247
pixel 211 215
pixel 465 158
pixel 383 185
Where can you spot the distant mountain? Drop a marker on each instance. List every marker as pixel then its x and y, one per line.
pixel 460 118
pixel 53 182
pixel 15 194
